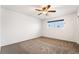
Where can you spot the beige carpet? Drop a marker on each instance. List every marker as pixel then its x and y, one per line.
pixel 42 45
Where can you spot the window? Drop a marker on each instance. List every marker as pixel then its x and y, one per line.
pixel 56 24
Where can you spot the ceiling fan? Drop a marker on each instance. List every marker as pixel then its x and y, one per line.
pixel 45 10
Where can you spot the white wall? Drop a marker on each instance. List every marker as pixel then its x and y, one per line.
pixel 77 30
pixel 67 33
pixel 0 28
pixel 18 27
pixel 78 12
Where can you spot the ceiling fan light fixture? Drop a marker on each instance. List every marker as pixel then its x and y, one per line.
pixel 44 12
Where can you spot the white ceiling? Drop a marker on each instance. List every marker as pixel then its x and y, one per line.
pixel 30 10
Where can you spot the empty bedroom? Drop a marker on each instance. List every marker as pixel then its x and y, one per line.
pixel 39 29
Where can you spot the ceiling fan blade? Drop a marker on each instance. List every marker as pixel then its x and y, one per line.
pixel 52 11
pixel 38 9
pixel 39 13
pixel 48 6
